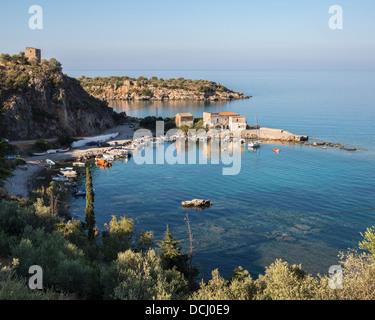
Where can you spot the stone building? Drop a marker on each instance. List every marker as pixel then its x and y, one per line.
pixel 33 53
pixel 221 120
pixel 184 119
pixel 237 123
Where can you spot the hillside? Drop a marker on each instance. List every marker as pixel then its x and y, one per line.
pixel 38 101
pixel 125 88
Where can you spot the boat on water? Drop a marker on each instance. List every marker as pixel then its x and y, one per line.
pixel 108 157
pixel 79 164
pixel 60 178
pixel 79 192
pixel 103 163
pixel 71 184
pixel 276 150
pixel 253 144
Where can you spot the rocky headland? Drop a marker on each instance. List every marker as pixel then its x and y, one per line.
pixel 155 89
pixel 38 101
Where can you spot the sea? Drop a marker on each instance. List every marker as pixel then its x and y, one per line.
pixel 304 205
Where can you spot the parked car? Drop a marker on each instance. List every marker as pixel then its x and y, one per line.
pixel 6 140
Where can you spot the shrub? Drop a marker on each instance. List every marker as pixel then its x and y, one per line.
pixel 41 146
pixel 140 276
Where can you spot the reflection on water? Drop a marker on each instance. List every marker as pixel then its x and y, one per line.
pixel 248 224
pixel 166 108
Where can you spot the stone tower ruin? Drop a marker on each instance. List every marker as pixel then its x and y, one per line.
pixel 33 53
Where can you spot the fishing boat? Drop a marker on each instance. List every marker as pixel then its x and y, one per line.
pixel 50 162
pixel 63 150
pixel 276 150
pixel 253 144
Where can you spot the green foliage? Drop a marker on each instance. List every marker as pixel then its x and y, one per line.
pixel 239 288
pixel 146 92
pixel 149 123
pixel 64 265
pixel 118 237
pixel 65 140
pixel 20 162
pixel 141 276
pixel 13 287
pixel 55 65
pixel 5 57
pixel 89 212
pixel 170 252
pixel 368 242
pixel 144 240
pixel 41 146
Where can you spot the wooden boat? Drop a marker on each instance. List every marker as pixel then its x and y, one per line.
pixel 276 150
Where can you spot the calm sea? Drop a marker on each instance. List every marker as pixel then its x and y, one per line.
pixel 258 215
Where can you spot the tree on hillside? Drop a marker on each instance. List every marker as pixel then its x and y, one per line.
pixel 170 252
pixel 89 212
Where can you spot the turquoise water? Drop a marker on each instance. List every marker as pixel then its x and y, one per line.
pixel 245 225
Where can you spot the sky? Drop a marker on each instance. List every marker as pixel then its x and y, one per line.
pixel 204 34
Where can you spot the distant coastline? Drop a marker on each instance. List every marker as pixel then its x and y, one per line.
pixel 157 89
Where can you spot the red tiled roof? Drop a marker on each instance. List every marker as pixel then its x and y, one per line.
pixel 228 114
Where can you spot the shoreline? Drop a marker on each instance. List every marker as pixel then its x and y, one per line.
pixel 20 183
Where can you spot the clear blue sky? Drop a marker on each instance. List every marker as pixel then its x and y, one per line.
pixel 204 34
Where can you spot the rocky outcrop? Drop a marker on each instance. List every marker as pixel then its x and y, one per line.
pixel 51 105
pixel 139 90
pixel 197 203
pixel 270 134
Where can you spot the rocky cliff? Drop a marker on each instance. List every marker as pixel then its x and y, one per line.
pixel 39 101
pixel 125 88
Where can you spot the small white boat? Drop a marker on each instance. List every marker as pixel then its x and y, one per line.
pixel 51 151
pixel 253 144
pixel 108 157
pixel 71 184
pixel 79 164
pixel 50 162
pixel 71 173
pixel 66 169
pixel 63 150
pixel 39 154
pixel 60 179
